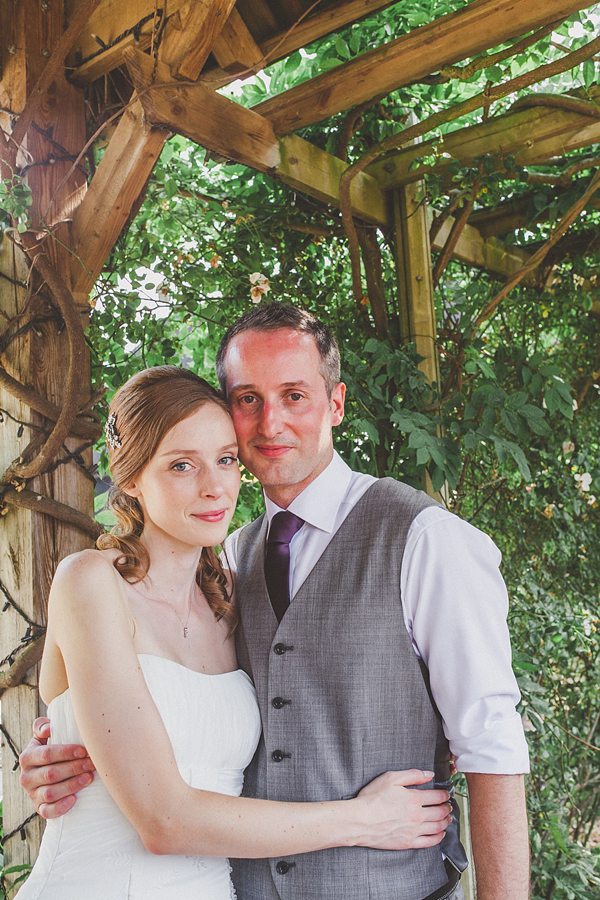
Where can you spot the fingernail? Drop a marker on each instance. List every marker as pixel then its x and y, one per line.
pixel 428 774
pixel 83 780
pixel 88 765
pixel 78 752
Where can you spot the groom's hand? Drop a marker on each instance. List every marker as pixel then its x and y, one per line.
pixel 52 774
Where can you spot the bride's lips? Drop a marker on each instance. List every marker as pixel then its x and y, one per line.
pixel 217 516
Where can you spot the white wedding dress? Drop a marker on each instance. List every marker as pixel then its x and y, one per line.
pixel 93 853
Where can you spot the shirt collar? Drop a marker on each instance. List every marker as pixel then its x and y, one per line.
pixel 319 502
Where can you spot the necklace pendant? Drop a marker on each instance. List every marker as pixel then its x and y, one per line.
pixel 185 631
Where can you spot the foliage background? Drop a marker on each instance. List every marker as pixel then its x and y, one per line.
pixel 511 432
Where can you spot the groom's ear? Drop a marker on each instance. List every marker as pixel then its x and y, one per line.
pixel 338 396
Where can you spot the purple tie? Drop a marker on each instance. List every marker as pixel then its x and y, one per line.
pixel 284 526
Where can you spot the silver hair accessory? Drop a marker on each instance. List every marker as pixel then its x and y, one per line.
pixel 112 435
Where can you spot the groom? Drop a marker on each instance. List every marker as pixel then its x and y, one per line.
pixel 397 622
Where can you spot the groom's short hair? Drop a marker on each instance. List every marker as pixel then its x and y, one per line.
pixel 272 316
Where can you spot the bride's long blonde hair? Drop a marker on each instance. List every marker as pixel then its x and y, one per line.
pixel 143 410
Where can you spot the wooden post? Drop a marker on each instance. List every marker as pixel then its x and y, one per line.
pixel 417 323
pixel 34 353
pixel 413 267
pixel 20 704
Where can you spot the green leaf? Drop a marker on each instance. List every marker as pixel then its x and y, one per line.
pixel 422 456
pixel 589 72
pixel 170 187
pixel 369 427
pixel 342 47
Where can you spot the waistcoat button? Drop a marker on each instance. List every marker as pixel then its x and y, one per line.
pixel 283 867
pixel 279 755
pixel 279 702
pixel 280 649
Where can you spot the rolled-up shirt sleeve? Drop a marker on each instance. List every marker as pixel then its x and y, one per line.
pixel 455 606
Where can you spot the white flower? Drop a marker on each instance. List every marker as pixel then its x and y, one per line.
pixel 586 481
pixel 568 447
pixel 260 285
pixel 258 290
pixel 591 499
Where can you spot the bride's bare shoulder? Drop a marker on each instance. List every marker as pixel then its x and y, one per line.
pixel 85 567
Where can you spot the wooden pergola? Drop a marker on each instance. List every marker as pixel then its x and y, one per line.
pixel 155 69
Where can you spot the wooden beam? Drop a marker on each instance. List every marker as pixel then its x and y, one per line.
pixel 116 185
pixel 201 115
pixel 114 25
pixel 241 135
pixel 114 19
pixel 192 33
pixel 38 358
pixel 490 254
pixel 235 49
pixel 530 135
pixel 317 173
pixel 315 26
pixel 135 145
pixel 459 35
pixel 511 216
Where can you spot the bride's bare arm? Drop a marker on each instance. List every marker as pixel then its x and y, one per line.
pixel 116 714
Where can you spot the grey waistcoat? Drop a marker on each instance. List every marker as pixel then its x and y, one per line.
pixel 342 698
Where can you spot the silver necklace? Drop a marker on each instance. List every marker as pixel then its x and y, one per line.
pixel 183 624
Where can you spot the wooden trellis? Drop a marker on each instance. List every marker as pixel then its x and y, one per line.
pixel 165 64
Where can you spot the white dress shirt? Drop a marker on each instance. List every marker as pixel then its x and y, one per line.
pixel 454 602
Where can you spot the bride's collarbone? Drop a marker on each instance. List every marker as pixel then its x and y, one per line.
pixel 203 648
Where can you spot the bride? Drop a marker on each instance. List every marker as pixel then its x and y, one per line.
pixel 139 645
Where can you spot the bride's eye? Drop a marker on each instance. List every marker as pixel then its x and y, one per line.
pixel 228 460
pixel 180 466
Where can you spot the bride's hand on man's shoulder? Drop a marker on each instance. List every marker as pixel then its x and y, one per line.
pixel 52 774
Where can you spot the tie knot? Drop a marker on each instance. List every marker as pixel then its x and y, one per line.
pixel 284 526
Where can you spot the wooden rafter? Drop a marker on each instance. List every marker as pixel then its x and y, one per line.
pixel 121 175
pixel 511 216
pixel 245 45
pixel 133 151
pixel 531 136
pixel 317 173
pixel 309 29
pixel 235 49
pixel 482 253
pixel 192 33
pixel 459 35
pixel 195 111
pixel 112 19
pixel 241 135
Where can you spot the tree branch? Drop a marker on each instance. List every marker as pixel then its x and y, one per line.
pixel 455 232
pixel 82 428
pixel 557 101
pixel 26 657
pixel 371 257
pixel 463 73
pixel 539 255
pixel 77 356
pixel 38 503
